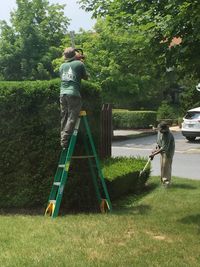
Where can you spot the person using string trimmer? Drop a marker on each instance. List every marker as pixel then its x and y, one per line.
pixel 165 147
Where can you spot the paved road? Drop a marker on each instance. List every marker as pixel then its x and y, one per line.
pixel 186 159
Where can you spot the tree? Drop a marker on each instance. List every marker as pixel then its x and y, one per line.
pixel 161 21
pixel 168 19
pixel 31 42
pixel 122 63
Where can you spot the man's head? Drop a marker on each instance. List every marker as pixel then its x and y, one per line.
pixel 163 127
pixel 69 53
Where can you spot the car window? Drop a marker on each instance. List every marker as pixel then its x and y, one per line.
pixel 192 115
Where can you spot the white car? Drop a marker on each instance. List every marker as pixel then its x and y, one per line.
pixel 191 124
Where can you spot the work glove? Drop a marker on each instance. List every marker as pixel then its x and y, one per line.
pixel 151 156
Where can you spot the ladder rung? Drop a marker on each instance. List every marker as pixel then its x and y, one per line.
pixel 57 183
pixel 82 157
pixel 61 165
pixel 82 113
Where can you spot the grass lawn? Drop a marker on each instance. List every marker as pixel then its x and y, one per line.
pixel 161 228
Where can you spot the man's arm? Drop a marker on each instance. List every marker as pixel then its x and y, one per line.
pixel 157 151
pixel 85 77
pixel 84 72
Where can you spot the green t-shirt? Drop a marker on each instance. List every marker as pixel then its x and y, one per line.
pixel 166 143
pixel 71 73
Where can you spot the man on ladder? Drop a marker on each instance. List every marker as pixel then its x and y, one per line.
pixel 71 73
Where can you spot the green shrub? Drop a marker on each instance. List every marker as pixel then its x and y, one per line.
pixel 122 175
pixel 180 120
pixel 167 113
pixel 124 119
pixel 30 138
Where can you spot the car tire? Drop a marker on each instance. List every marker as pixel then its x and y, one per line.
pixel 190 138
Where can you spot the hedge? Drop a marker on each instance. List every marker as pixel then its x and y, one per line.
pixel 122 175
pixel 30 148
pixel 30 139
pixel 125 119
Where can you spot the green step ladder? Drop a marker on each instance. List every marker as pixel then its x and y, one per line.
pixel 62 171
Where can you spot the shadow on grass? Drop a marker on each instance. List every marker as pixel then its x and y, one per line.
pixel 134 210
pixel 16 211
pixel 183 186
pixel 125 205
pixel 130 204
pixel 191 219
pixel 41 212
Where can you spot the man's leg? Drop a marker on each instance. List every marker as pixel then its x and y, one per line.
pixel 166 168
pixel 73 110
pixel 64 116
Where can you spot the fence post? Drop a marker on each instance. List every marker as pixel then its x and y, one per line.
pixel 106 131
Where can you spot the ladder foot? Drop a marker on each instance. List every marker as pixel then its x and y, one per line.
pixel 50 209
pixel 104 207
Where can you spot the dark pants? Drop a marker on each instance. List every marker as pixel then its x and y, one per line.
pixel 70 107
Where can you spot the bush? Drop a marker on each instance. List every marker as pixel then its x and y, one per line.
pixel 124 119
pixel 167 113
pixel 30 138
pixel 122 175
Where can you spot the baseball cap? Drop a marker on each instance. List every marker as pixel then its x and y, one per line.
pixel 69 52
pixel 163 126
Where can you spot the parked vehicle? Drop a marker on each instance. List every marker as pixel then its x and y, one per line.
pixel 191 124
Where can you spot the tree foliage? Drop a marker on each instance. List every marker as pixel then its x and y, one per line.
pixel 30 42
pixel 121 64
pixel 159 22
pixel 165 20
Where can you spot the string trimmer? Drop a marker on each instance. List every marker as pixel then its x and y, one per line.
pixel 145 167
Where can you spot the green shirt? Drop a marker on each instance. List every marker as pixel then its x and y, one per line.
pixel 166 143
pixel 71 73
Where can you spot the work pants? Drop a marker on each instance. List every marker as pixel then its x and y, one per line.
pixel 166 167
pixel 70 107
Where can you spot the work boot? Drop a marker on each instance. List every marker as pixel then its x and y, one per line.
pixel 64 145
pixel 165 182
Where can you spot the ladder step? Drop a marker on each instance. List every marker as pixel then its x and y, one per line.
pixel 61 165
pixel 83 157
pixel 57 183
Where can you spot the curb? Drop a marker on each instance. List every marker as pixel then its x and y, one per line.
pixel 132 136
pixel 140 133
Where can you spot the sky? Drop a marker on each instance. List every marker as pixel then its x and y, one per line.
pixel 79 18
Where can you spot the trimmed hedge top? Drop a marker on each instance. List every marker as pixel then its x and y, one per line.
pixel 125 119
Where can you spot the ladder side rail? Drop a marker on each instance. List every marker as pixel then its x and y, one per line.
pixel 94 176
pixel 97 162
pixel 66 169
pixel 57 177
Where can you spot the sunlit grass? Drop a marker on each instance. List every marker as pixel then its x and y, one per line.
pixel 159 228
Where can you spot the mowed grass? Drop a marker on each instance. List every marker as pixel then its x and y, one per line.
pixel 160 228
